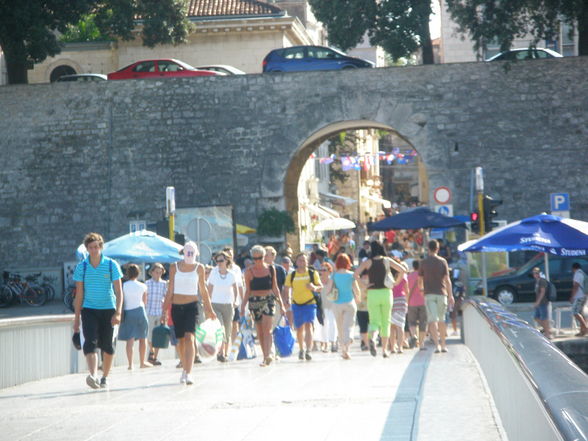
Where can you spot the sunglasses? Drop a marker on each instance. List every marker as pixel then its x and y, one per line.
pixel 323 270
pixel 257 258
pixel 220 261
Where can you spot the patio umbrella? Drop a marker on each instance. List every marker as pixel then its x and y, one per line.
pixel 420 217
pixel 337 223
pixel 143 247
pixel 544 233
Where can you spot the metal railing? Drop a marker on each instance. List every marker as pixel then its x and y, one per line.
pixel 33 348
pixel 539 393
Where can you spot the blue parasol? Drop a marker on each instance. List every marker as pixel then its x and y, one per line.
pixel 143 247
pixel 420 217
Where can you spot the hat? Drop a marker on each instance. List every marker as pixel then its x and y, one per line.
pixel 75 339
pixel 536 270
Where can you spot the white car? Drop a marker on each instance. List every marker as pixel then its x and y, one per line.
pixel 528 53
pixel 222 68
pixel 82 77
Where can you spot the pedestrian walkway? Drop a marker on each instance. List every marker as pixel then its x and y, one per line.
pixel 417 395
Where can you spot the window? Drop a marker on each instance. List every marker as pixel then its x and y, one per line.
pixel 293 53
pixel 322 53
pixel 60 71
pixel 145 66
pixel 169 66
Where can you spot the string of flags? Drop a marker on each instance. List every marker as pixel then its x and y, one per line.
pixel 357 162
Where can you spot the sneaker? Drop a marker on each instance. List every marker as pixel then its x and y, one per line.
pixel 301 355
pixel 183 377
pixel 103 383
pixel 307 356
pixel 156 362
pixel 92 382
pixel 189 380
pixel 363 346
pixel 412 342
pixel 373 348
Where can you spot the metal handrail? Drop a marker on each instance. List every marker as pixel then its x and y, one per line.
pixel 561 386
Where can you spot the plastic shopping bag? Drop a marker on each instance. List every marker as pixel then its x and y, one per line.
pixel 283 338
pixel 209 335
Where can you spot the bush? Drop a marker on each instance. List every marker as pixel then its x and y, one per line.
pixel 274 223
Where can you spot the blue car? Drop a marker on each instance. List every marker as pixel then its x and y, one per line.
pixel 304 58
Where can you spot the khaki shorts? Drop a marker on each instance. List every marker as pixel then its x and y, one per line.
pixel 152 322
pixel 436 307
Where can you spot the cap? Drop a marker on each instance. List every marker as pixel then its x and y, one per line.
pixel 536 270
pixel 75 339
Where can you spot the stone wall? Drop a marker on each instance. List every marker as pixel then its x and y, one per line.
pixel 88 157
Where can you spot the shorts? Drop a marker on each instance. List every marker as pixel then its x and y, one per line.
pixel 436 307
pixel 172 335
pixel 541 312
pixel 184 317
pixel 225 313
pixel 578 305
pixel 456 307
pixel 152 322
pixel 303 314
pixel 363 319
pixel 98 330
pixel 262 305
pixel 134 325
pixel 417 313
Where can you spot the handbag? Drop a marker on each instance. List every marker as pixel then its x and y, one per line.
pixel 333 293
pixel 247 347
pixel 283 338
pixel 389 278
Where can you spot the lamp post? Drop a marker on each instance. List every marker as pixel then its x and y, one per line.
pixel 170 209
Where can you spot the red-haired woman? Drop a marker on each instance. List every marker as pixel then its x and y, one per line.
pixel 344 306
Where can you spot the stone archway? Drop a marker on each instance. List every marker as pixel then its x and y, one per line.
pixel 304 151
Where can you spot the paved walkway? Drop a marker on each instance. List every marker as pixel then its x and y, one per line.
pixel 414 396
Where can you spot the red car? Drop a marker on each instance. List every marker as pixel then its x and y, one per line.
pixel 158 69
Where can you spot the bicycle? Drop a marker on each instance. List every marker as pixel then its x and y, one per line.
pixel 69 297
pixel 25 292
pixel 46 284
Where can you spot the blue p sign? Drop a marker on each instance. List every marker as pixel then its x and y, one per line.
pixel 560 202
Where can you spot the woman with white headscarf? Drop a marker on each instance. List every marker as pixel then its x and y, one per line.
pixel 186 279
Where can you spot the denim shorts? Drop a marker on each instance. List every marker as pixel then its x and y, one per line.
pixel 541 312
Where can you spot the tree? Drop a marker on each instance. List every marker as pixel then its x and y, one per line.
pixel 501 22
pixel 29 29
pixel 399 26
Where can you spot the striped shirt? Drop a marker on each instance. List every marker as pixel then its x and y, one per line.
pixel 155 294
pixel 98 292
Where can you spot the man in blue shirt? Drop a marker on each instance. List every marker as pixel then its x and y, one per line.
pixel 98 305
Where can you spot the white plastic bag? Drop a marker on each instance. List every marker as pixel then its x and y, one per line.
pixel 209 335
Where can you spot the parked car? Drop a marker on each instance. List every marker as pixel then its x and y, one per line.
pixel 82 77
pixel 304 58
pixel 163 68
pixel 519 286
pixel 222 68
pixel 525 54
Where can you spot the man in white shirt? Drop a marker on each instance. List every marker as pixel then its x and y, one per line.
pixel 578 297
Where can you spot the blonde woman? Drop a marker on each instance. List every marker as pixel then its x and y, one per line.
pixel 262 294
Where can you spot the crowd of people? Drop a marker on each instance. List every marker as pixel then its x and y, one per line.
pixel 323 294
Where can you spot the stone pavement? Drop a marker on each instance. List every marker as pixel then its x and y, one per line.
pixel 417 395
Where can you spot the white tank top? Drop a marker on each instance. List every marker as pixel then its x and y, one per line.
pixel 186 283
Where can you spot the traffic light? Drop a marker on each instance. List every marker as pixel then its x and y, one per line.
pixel 475 222
pixel 490 213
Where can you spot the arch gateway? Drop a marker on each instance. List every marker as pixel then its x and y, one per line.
pixel 81 157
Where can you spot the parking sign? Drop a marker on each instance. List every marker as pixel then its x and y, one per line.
pixel 560 202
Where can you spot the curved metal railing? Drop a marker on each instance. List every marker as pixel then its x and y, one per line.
pixel 561 386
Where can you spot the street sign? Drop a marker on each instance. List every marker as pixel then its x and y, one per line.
pixel 560 202
pixel 442 195
pixel 565 214
pixel 445 209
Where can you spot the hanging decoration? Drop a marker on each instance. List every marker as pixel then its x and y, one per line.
pixel 357 162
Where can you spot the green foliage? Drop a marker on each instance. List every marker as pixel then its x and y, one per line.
pixel 84 30
pixel 274 223
pixel 27 28
pixel 490 21
pixel 399 26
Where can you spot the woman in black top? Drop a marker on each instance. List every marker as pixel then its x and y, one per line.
pixel 261 292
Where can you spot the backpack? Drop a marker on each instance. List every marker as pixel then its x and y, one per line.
pixel 551 291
